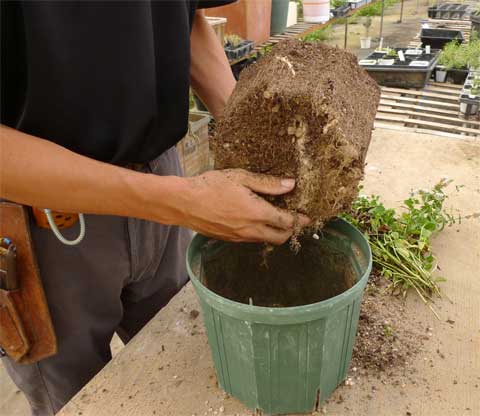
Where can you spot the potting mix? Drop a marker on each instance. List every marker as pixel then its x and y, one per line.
pixel 304 111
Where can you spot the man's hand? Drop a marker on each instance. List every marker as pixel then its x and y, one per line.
pixel 222 204
pixel 225 205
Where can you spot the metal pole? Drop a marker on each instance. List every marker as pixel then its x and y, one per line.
pixel 401 13
pixel 381 19
pixel 346 33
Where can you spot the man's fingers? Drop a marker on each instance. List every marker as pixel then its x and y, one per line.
pixel 285 220
pixel 303 220
pixel 265 233
pixel 279 218
pixel 266 184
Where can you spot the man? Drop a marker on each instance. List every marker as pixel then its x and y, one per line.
pixel 94 99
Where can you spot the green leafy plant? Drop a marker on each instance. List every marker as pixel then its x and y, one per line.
pixel 391 53
pixel 473 51
pixel 475 87
pixel 375 9
pixel 266 49
pixel 401 242
pixel 367 23
pixel 319 35
pixel 352 20
pixel 461 56
pixel 233 41
pixel 337 3
pixel 453 56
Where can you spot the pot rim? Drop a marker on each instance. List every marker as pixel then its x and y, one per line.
pixel 286 315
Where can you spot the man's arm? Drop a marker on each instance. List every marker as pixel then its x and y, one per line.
pixel 221 204
pixel 210 73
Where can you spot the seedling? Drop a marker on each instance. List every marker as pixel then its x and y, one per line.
pixel 388 331
pixel 367 23
pixel 401 242
pixel 391 53
pixel 233 41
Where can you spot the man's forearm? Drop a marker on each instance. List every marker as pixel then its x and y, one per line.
pixel 210 73
pixel 40 173
pixel 221 204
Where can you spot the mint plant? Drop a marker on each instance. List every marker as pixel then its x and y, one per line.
pixel 401 241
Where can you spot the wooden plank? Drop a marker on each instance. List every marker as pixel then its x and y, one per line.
pixel 420 101
pixel 398 127
pixel 446 85
pixel 420 93
pixel 443 118
pixel 426 110
pixel 446 90
pixel 440 126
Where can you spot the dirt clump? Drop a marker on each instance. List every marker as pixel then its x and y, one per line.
pixel 305 111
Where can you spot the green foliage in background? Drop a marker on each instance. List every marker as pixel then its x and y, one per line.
pixel 401 241
pixel 233 41
pixel 337 3
pixel 461 56
pixel 319 35
pixel 375 9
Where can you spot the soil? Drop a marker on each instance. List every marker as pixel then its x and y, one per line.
pixel 386 339
pixel 305 111
pixel 242 273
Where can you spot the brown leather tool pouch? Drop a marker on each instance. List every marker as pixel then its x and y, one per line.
pixel 13 338
pixel 26 330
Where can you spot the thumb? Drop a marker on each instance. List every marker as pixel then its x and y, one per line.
pixel 267 184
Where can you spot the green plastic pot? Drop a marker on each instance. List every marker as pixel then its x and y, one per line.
pixel 278 19
pixel 285 360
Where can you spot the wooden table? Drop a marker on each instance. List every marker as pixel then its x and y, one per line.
pixel 167 369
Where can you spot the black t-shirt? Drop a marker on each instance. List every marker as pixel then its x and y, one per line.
pixel 106 79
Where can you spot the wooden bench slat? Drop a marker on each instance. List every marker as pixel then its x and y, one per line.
pixel 448 127
pixel 420 101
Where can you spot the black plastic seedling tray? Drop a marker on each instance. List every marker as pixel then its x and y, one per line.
pixel 241 50
pixel 402 74
pixel 449 11
pixel 438 38
pixel 465 93
pixel 341 11
pixel 469 105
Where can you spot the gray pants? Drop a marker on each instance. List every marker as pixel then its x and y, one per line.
pixel 115 280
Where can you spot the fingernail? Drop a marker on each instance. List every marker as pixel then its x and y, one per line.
pixel 288 183
pixel 305 220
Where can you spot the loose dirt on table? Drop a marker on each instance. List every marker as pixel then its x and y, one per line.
pixel 242 273
pixel 386 338
pixel 304 111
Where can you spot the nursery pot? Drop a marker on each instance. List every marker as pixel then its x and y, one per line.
pixel 316 11
pixel 284 359
pixel 458 76
pixel 366 43
pixel 279 15
pixel 440 74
